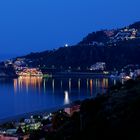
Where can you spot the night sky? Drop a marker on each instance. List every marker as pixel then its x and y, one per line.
pixel 37 25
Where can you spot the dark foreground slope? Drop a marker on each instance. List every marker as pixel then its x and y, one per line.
pixel 115 115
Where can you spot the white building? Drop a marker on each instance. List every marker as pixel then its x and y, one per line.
pixel 98 66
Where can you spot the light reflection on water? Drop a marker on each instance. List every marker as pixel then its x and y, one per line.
pixel 36 83
pixel 27 82
pixel 66 98
pixel 67 86
pixel 28 94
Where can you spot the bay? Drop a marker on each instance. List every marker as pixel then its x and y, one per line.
pixel 30 94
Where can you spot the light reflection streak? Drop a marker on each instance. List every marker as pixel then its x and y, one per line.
pixel 87 85
pixel 91 87
pixel 66 98
pixel 79 85
pixel 53 85
pixel 96 83
pixel 61 83
pixel 44 85
pixel 69 85
pixel 122 81
pixel 114 81
pixel 99 82
pixel 27 82
pixel 106 83
pixel 39 86
pixel 15 85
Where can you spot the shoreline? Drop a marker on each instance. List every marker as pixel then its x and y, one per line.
pixel 66 74
pixel 39 112
pixel 80 74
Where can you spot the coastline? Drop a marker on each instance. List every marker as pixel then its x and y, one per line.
pixel 65 74
pixel 79 74
pixel 38 112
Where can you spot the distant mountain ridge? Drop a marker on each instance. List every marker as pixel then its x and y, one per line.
pixel 116 47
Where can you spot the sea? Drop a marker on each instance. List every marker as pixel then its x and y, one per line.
pixel 25 95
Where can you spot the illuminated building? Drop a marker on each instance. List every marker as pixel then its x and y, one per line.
pixel 71 110
pixel 30 72
pixel 98 66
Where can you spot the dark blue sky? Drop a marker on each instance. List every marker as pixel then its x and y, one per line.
pixel 36 25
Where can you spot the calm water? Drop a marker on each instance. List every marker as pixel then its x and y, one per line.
pixel 22 95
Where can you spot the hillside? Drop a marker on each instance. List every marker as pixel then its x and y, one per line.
pixel 117 48
pixel 113 115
